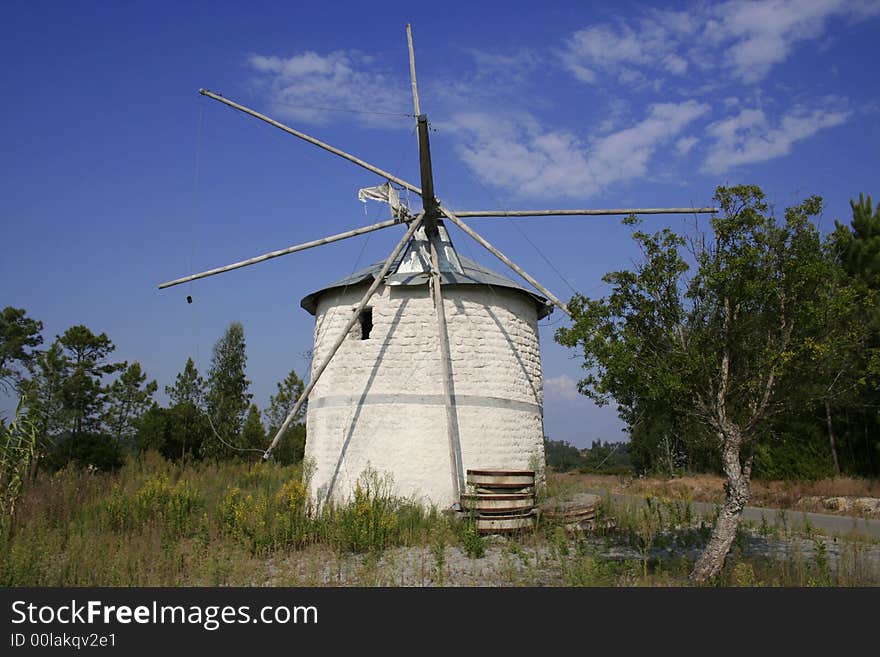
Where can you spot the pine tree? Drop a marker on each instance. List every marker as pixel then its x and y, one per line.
pixel 253 434
pixel 188 386
pixel 19 338
pixel 227 397
pixel 291 447
pixel 128 398
pixel 44 397
pixel 85 359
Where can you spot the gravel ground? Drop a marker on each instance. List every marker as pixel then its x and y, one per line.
pixel 512 563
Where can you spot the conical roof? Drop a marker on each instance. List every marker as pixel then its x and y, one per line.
pixel 472 273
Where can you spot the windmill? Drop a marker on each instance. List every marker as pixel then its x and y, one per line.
pixel 427 363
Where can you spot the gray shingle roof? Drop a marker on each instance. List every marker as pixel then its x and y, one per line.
pixel 474 274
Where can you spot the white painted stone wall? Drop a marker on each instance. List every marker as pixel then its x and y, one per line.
pixel 380 404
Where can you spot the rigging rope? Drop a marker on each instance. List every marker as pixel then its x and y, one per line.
pixel 194 220
pixel 516 225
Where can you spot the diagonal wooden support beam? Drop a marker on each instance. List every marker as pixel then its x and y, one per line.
pixel 380 278
pixel 448 386
pixel 281 252
pixel 503 258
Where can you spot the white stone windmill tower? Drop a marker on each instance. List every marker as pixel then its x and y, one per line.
pixel 427 364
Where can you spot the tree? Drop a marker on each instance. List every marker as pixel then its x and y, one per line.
pixel 860 242
pixel 44 396
pixel 227 398
pixel 128 398
pixel 19 338
pixel 714 348
pixel 253 434
pixel 561 456
pixel 188 388
pixel 66 399
pixel 186 424
pixel 856 250
pixel 86 364
pixel 291 447
pixel 153 429
pixel 176 433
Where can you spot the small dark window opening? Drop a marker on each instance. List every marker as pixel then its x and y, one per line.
pixel 366 323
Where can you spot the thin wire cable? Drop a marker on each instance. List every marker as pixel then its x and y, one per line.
pixel 195 216
pixel 516 225
pixel 196 194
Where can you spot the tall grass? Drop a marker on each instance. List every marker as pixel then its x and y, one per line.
pixel 155 523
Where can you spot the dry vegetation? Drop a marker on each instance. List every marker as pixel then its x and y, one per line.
pixel 154 523
pixel 790 495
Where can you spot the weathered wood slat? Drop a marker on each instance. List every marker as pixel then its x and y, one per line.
pixel 281 252
pixel 505 524
pixel 491 479
pixel 498 503
pixel 598 212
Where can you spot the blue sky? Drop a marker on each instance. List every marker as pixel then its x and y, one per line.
pixel 116 175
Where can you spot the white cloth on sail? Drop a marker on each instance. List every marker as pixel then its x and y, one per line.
pixel 385 194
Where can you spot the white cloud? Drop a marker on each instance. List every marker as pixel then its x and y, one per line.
pixel 532 161
pixel 746 38
pixel 309 86
pixel 684 145
pixel 561 386
pixel 750 137
pixel 761 35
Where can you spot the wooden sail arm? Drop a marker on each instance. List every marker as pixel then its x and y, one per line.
pixel 562 213
pixel 281 252
pixel 312 140
pixel 503 258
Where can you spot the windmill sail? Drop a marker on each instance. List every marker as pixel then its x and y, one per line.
pixel 384 194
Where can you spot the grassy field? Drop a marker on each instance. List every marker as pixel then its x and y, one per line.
pixel 789 495
pixel 153 523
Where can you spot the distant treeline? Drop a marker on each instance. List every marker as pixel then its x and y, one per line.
pixel 88 409
pixel 600 457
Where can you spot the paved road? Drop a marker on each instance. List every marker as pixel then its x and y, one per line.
pixel 822 522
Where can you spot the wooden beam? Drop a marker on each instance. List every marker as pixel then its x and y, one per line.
pixel 412 70
pixel 429 203
pixel 562 213
pixel 448 387
pixel 503 258
pixel 351 322
pixel 312 140
pixel 281 252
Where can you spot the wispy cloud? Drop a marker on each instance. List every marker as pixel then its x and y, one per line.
pixel 750 136
pixel 313 88
pixel 718 52
pixel 623 50
pixel 747 39
pixel 684 145
pixel 523 156
pixel 562 386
